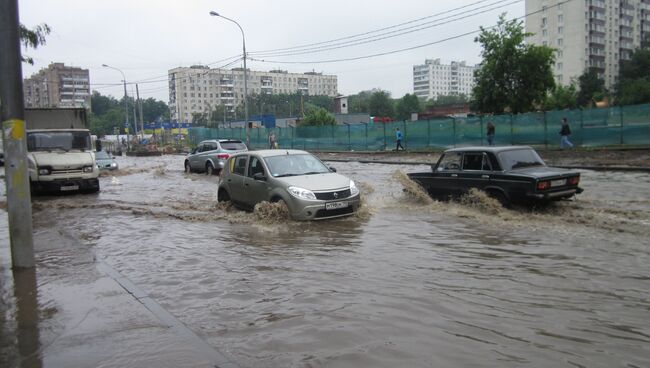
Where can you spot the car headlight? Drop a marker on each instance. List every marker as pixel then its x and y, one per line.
pixel 113 164
pixel 353 188
pixel 88 169
pixel 43 171
pixel 301 193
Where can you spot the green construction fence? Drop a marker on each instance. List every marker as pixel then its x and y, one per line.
pixel 626 125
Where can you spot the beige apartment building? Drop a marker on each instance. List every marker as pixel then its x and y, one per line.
pixel 200 89
pixel 595 34
pixel 57 86
pixel 433 79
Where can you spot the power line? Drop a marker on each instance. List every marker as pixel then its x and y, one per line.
pixel 370 32
pixel 402 32
pixel 403 49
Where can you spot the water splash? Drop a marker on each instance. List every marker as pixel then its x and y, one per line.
pixel 412 190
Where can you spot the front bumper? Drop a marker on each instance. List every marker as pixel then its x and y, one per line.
pixel 65 185
pixel 302 209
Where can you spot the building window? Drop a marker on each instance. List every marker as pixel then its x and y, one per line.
pixel 544 22
pixel 560 18
pixel 560 30
pixel 544 33
pixel 560 42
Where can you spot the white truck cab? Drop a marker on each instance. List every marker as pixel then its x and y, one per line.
pixel 60 151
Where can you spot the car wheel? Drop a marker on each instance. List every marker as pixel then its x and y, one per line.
pixel 188 169
pixel 223 196
pixel 209 169
pixel 501 197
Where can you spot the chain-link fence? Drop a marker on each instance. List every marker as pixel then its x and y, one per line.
pixel 627 125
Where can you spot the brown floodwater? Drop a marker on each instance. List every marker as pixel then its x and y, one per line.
pixel 407 282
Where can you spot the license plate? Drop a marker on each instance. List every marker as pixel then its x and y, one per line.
pixel 335 205
pixel 69 187
pixel 558 183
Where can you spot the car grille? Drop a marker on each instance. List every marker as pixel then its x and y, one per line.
pixel 327 196
pixel 66 172
pixel 336 212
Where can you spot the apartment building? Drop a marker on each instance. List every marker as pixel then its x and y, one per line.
pixel 57 86
pixel 199 89
pixel 435 79
pixel 586 34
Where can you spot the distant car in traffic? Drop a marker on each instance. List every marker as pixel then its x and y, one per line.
pixel 105 161
pixel 310 189
pixel 509 174
pixel 209 156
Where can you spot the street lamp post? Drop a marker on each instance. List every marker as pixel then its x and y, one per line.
pixel 215 14
pixel 126 108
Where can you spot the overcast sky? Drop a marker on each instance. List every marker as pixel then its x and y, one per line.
pixel 146 38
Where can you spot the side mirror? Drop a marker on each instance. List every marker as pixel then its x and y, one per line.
pixel 333 169
pixel 113 157
pixel 259 176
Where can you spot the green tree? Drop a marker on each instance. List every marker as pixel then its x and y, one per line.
pixel 381 104
pixel 32 38
pixel 513 75
pixel 446 100
pixel 317 117
pixel 592 87
pixel 407 105
pixel 562 97
pixel 153 110
pixel 359 103
pixel 634 81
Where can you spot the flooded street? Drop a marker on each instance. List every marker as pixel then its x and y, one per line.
pixel 405 283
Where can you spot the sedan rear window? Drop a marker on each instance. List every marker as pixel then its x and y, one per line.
pixel 233 145
pixel 517 159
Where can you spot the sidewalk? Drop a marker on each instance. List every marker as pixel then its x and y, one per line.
pixel 76 311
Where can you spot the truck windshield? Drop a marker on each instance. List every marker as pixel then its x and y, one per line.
pixel 48 141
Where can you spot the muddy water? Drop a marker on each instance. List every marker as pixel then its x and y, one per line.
pixel 408 282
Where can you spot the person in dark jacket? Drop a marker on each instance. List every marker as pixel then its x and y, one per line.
pixel 565 133
pixel 490 133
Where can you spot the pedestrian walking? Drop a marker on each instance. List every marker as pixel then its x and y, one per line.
pixel 565 133
pixel 272 142
pixel 490 133
pixel 398 138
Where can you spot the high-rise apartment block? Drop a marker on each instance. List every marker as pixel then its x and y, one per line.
pixel 58 86
pixel 587 34
pixel 435 79
pixel 199 89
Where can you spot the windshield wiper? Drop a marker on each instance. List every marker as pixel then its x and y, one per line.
pixel 313 172
pixel 284 175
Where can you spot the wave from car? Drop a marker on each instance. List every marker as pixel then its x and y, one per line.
pixel 310 189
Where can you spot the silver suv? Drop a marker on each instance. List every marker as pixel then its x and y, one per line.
pixel 210 156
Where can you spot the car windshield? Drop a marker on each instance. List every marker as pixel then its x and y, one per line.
pixel 101 155
pixel 233 145
pixel 292 165
pixel 516 159
pixel 48 141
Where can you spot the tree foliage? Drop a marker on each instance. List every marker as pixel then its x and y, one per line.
pixel 446 100
pixel 359 103
pixel 107 113
pixel 380 104
pixel 634 82
pixel 407 105
pixel 513 75
pixel 33 38
pixel 562 97
pixel 317 117
pixel 591 86
pixel 285 105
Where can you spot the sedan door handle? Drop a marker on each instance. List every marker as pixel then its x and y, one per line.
pixel 485 176
pixel 454 175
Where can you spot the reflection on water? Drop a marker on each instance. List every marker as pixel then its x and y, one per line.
pixel 414 283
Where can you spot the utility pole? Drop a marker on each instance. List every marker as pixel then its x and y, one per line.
pixel 135 116
pixel 19 201
pixel 137 92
